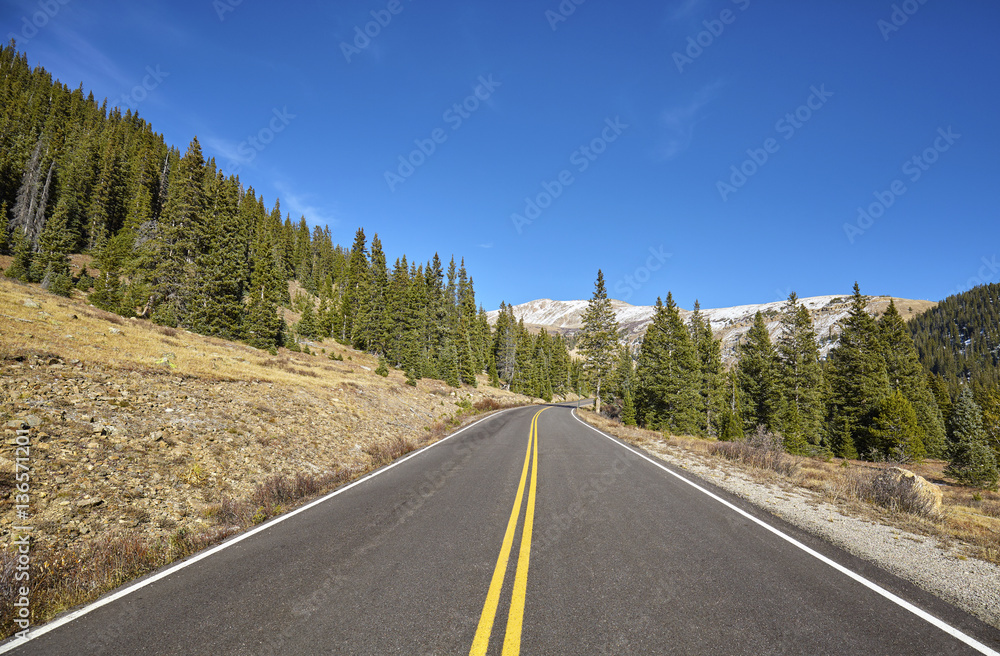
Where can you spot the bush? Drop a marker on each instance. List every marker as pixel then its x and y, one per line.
pixel 763 450
pixel 898 494
pixel 382 369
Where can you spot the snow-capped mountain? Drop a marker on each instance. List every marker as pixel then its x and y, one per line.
pixel 729 324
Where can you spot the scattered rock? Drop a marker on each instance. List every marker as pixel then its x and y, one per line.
pixel 30 303
pixel 33 421
pixel 89 503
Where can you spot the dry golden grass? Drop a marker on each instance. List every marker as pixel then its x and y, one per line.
pixel 71 330
pixel 969 516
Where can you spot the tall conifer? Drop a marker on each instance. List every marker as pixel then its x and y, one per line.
pixel 598 339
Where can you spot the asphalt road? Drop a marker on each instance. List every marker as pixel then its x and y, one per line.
pixel 624 558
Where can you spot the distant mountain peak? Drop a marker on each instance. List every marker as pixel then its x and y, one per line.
pixel 729 324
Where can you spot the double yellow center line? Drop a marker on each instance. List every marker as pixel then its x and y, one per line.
pixel 515 616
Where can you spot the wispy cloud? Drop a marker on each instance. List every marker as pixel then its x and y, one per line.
pixel 224 150
pixel 679 121
pixel 304 205
pixel 487 245
pixel 685 8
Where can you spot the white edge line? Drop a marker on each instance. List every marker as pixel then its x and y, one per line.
pixel 45 628
pixel 947 628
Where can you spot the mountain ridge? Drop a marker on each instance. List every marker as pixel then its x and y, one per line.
pixel 729 324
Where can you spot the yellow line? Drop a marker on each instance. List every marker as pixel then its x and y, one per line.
pixel 482 639
pixel 515 617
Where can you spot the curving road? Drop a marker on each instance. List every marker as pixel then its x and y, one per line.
pixel 528 532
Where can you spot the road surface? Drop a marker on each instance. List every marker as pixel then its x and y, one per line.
pixel 432 556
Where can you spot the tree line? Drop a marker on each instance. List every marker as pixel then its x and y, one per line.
pixel 871 398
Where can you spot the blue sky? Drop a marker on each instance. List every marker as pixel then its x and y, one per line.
pixel 720 149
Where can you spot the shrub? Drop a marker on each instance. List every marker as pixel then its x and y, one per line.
pixel 763 450
pixel 898 494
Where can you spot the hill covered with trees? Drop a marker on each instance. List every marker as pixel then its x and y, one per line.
pixel 959 340
pixel 178 241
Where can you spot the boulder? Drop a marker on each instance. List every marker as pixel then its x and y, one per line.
pixel 904 489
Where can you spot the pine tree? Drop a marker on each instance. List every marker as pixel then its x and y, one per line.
pixel 466 363
pixel 110 260
pixel 262 326
pixel 183 237
pixel 505 345
pixel 667 374
pixel 215 305
pixel 939 388
pixel 372 332
pixel 20 266
pixel 757 378
pixel 895 432
pixel 905 373
pixel 857 381
pixel 449 359
pixel 709 354
pixel 971 462
pixel 355 290
pixel 730 423
pixel 307 325
pixel 628 409
pixel 50 265
pixel 3 227
pixel 598 339
pixel 800 379
pixel 494 376
pixel 991 419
